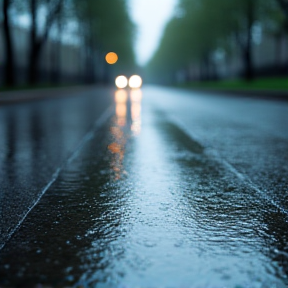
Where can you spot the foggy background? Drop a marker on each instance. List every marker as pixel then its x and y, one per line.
pixel 55 42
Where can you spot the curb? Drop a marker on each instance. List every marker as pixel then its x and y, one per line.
pixel 273 95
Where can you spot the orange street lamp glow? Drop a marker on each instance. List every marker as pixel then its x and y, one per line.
pixel 111 58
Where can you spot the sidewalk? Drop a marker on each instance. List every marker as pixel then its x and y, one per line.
pixel 278 95
pixel 10 97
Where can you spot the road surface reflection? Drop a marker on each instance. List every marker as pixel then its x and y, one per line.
pixel 128 115
pixel 155 210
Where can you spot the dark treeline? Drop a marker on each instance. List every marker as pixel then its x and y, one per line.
pixel 204 31
pixel 98 27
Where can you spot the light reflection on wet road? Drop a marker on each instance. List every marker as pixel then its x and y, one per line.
pixel 147 201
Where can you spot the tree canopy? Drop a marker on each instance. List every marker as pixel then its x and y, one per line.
pixel 199 28
pixel 99 27
pixel 107 26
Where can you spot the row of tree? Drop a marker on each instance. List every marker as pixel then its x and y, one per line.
pixel 101 26
pixel 201 27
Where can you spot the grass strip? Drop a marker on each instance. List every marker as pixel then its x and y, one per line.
pixel 273 84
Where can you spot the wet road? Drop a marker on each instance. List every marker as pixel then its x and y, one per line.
pixel 164 188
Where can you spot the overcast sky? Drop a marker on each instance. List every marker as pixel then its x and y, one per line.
pixel 150 16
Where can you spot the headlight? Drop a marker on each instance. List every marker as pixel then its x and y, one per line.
pixel 135 82
pixel 121 82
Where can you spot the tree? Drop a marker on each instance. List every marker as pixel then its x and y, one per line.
pixel 191 36
pixel 284 6
pixel 8 44
pixel 276 25
pixel 37 37
pixel 242 23
pixel 106 26
pixel 102 26
pixel 201 27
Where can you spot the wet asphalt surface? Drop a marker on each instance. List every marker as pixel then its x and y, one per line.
pixel 150 188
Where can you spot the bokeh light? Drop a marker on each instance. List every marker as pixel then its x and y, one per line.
pixel 121 111
pixel 121 96
pixel 136 97
pixel 111 58
pixel 135 82
pixel 121 82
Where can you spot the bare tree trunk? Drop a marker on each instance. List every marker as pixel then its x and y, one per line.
pixel 284 6
pixel 247 51
pixel 57 74
pixel 34 62
pixel 8 44
pixel 278 51
pixel 37 41
pixel 34 53
pixel 248 72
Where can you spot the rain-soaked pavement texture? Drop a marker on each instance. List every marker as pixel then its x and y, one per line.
pixel 174 190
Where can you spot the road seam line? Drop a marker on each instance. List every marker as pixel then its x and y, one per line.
pixel 217 157
pixel 89 135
